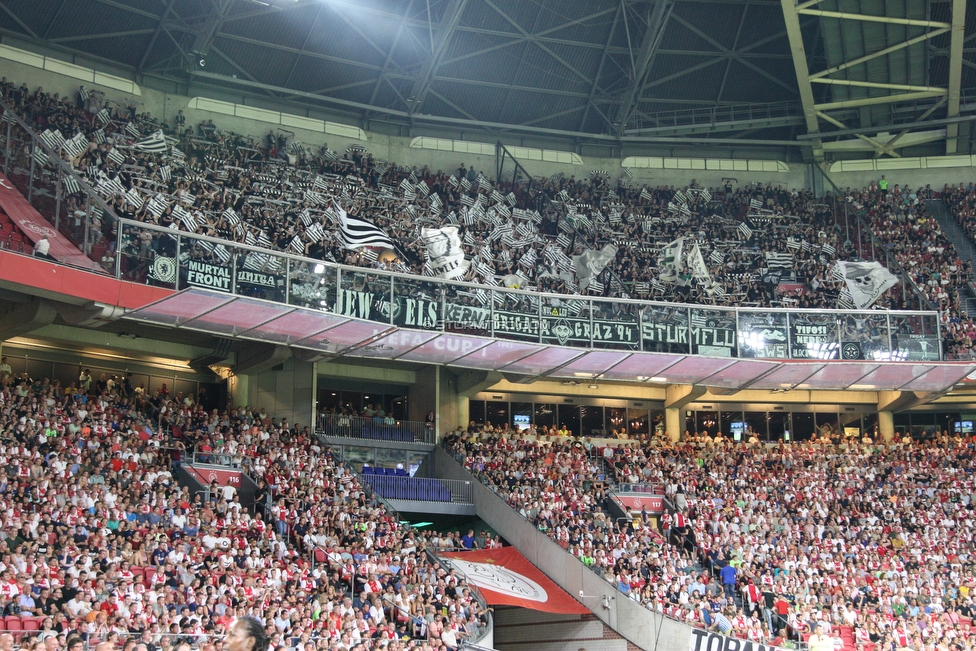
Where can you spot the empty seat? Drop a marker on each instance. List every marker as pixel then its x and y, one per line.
pixel 31 623
pixel 13 623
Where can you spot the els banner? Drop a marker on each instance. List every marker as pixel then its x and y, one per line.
pixel 505 577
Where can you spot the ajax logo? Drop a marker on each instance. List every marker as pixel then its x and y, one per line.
pixel 501 579
pixel 43 231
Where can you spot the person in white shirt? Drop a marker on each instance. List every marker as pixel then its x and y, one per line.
pixel 41 248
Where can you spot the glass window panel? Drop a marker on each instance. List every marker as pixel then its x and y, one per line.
pixel 476 412
pixel 569 415
pixel 616 325
pixel 637 423
pixel 657 422
pixel 148 257
pixel 865 336
pixel 467 310
pixel 516 316
pixel 417 304
pixel 779 422
pixel 713 332
pixel 615 420
pixel 260 275
pixel 732 423
pixel 813 336
pixel 915 338
pixel 522 416
pixel 803 426
pixel 591 421
pixel 826 423
pixel 352 400
pixel 328 400
pixel 356 456
pixel 851 428
pixel 756 421
pixel 545 415
pixel 398 407
pixel 706 421
pixel 364 295
pixel 391 458
pixel 311 285
pixel 498 414
pixel 415 460
pixel 665 329
pixel 763 335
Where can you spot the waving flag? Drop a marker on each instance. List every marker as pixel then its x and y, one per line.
pixel 357 233
pixel 154 144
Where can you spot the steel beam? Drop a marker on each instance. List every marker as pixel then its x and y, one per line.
pixel 878 147
pixel 843 15
pixel 887 99
pixel 924 124
pixel 874 84
pixel 880 53
pixel 445 29
pixel 955 71
pixel 643 63
pixel 621 10
pixel 719 127
pixel 93 37
pixel 792 18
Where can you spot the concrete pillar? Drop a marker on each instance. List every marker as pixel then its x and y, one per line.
pixel 286 393
pixel 886 426
pixel 463 411
pixel 672 423
pixel 676 397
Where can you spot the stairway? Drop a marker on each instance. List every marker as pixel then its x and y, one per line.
pixel 963 245
pixel 520 629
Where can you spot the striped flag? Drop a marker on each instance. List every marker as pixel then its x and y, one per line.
pixel 465 184
pixel 83 94
pixel 165 173
pixel 8 116
pixel 39 156
pixel 297 245
pixel 755 204
pixel 103 116
pixel 745 231
pixel 357 233
pixel 645 195
pixel 828 249
pixel 717 257
pixel 71 186
pixel 775 260
pixel 132 130
pixel 705 195
pixel 116 156
pixel 453 182
pixel 99 136
pixel 154 144
pixel 133 197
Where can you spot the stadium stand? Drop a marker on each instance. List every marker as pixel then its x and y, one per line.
pixel 101 542
pixel 273 193
pixel 867 542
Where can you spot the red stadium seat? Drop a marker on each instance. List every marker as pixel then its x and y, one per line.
pixel 320 555
pixel 30 623
pixel 14 623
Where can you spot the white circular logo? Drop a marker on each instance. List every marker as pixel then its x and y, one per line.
pixel 501 579
pixel 164 269
pixel 43 231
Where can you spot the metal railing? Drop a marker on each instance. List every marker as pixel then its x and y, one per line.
pixel 425 489
pixel 178 260
pixel 379 429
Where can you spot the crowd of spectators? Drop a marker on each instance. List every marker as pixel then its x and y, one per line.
pixel 868 543
pixel 100 542
pixel 280 192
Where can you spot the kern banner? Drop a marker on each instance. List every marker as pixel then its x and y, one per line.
pixel 705 641
pixel 506 578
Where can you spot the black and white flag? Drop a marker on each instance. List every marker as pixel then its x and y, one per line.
pixel 745 231
pixel 444 252
pixel 755 204
pixel 71 186
pixel 103 116
pixel 776 260
pixel 358 233
pixel 154 144
pixel 116 156
pixel 866 281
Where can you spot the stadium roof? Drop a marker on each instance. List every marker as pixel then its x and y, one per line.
pixel 623 72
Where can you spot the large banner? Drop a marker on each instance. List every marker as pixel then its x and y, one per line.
pixel 445 253
pixel 715 340
pixel 866 281
pixel 505 577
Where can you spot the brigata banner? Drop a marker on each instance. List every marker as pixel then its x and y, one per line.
pixel 505 577
pixel 705 641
